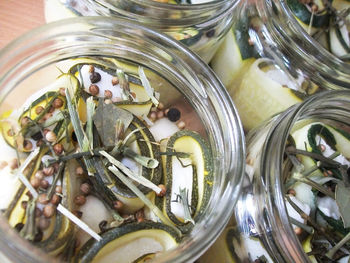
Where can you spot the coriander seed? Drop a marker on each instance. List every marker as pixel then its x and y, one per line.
pixel 57 103
pixel 94 89
pixel 115 81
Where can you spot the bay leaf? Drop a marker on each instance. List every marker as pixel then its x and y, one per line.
pixel 342 198
pixel 105 120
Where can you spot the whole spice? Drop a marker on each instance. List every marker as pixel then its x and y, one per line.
pixel 25 120
pixel 57 103
pixel 49 211
pixel 50 136
pixel 58 148
pixel 95 77
pixel 58 189
pixel 163 191
pixel 39 109
pixel 115 81
pixel 79 170
pixel 35 182
pixel 44 184
pixel 173 114
pixel 108 94
pixel 94 89
pixel 48 171
pixel 27 145
pixel 118 205
pixel 55 199
pixel 42 199
pixel 85 188
pixel 80 200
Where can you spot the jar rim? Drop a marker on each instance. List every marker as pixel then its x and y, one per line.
pixel 45 35
pixel 335 102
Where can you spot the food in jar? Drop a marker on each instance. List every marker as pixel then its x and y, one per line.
pixel 98 163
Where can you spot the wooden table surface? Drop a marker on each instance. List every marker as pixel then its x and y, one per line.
pixel 18 17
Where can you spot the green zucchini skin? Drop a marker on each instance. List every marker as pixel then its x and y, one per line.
pixel 326 134
pixel 318 129
pixel 154 174
pixel 92 247
pixel 241 34
pixel 304 15
pixel 195 36
pixel 165 202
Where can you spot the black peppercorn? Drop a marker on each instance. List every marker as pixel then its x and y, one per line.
pixel 95 77
pixel 174 114
pixel 19 226
pixel 38 236
pixel 210 33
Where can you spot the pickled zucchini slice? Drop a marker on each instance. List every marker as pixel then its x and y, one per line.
pixel 263 92
pixel 129 242
pixel 191 171
pixel 145 145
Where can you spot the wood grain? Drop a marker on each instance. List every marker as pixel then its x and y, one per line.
pixel 18 17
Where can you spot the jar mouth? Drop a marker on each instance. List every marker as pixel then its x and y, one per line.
pixel 112 37
pixel 297 45
pixel 328 106
pixel 162 15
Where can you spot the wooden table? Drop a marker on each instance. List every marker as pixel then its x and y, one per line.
pixel 18 17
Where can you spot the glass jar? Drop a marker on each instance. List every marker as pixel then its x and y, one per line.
pixel 201 27
pixel 261 228
pixel 32 62
pixel 268 62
